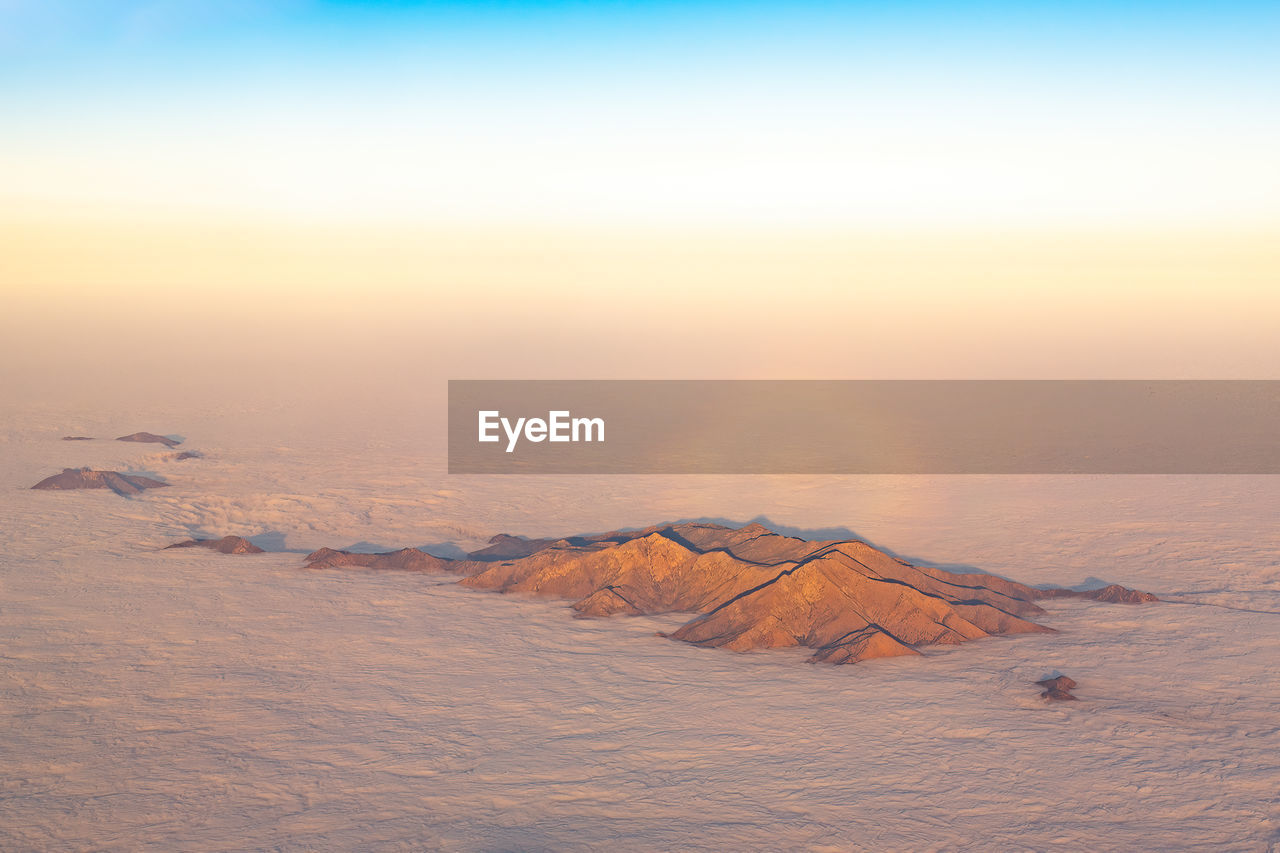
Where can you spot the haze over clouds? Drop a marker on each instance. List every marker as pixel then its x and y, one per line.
pixel 157 698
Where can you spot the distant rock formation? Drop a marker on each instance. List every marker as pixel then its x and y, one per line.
pixel 505 547
pixel 1113 594
pixel 86 478
pixel 150 437
pixel 188 454
pixel 77 438
pixel 748 588
pixel 406 559
pixel 225 545
pixel 1058 689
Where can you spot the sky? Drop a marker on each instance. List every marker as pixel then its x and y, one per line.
pixel 949 115
pixel 366 194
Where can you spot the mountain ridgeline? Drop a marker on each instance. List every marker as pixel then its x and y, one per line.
pixel 749 588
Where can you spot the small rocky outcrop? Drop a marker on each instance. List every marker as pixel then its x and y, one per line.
pixel 150 437
pixel 225 545
pixel 1112 594
pixel 125 485
pixel 506 547
pixel 187 454
pixel 406 559
pixel 1058 689
pixel 77 438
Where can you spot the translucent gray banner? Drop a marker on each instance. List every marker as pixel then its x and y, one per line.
pixel 864 427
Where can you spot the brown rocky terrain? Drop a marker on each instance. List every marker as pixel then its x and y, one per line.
pixel 225 545
pixel 150 437
pixel 86 478
pixel 748 588
pixel 1058 689
pixel 850 602
pixel 648 574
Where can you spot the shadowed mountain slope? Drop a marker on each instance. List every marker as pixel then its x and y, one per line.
pixel 850 602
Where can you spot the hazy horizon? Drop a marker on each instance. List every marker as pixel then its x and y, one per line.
pixel 195 193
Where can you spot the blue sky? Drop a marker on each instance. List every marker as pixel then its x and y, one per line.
pixel 937 112
pixel 70 40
